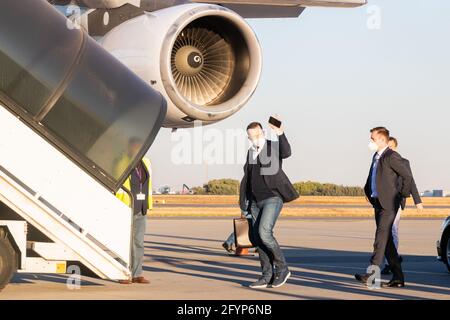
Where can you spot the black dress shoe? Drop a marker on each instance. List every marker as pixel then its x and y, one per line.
pixel 393 284
pixel 227 247
pixel 362 277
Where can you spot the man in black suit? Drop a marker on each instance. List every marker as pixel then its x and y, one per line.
pixel 263 190
pixel 383 192
pixel 393 144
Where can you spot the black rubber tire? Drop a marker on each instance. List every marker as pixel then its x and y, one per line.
pixel 444 249
pixel 8 260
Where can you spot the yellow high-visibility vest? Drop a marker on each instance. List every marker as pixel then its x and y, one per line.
pixel 125 198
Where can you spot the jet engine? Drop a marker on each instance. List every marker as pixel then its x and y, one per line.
pixel 205 59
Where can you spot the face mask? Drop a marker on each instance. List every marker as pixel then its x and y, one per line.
pixel 258 142
pixel 373 146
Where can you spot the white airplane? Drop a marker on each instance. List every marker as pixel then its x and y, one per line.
pixel 201 55
pixel 69 112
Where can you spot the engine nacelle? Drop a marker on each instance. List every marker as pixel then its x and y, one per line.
pixel 205 59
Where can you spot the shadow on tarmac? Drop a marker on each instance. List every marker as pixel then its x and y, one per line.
pixel 322 269
pixel 311 267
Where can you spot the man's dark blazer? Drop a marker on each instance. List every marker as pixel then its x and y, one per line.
pixel 272 151
pixel 390 167
pixel 139 205
pixel 414 191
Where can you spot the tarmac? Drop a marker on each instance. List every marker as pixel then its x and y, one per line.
pixel 184 259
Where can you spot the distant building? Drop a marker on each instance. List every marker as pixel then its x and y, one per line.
pixel 165 190
pixel 426 193
pixel 439 193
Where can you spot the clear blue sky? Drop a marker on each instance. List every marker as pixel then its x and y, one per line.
pixel 331 79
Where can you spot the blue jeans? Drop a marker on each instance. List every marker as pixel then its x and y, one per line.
pixel 264 216
pixel 137 247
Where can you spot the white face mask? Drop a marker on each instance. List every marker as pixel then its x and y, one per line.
pixel 258 142
pixel 373 146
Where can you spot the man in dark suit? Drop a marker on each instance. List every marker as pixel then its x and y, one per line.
pixel 382 191
pixel 263 190
pixel 393 144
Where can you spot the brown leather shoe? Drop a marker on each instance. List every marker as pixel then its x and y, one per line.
pixel 125 282
pixel 140 280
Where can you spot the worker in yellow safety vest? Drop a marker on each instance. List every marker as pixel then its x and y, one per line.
pixel 139 183
pixel 125 198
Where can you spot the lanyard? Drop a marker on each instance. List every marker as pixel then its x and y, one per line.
pixel 140 175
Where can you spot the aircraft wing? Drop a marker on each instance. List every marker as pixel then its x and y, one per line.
pixel 246 8
pixel 279 9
